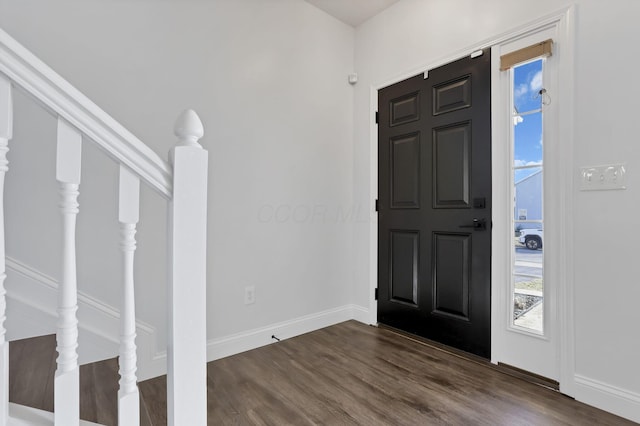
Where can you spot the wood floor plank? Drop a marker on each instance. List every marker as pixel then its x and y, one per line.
pixel 88 408
pixel 99 392
pixel 153 393
pixel 145 418
pixel 32 364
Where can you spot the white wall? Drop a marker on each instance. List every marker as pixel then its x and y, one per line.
pixel 269 80
pixel 414 33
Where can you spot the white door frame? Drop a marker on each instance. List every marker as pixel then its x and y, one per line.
pixel 564 19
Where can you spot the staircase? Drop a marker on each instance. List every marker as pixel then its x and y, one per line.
pixel 182 181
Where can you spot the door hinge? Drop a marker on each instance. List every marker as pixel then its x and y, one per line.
pixel 375 293
pixel 377 117
pixel 377 205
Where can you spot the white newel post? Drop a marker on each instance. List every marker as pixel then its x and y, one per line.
pixel 128 395
pixel 6 131
pixel 187 348
pixel 67 379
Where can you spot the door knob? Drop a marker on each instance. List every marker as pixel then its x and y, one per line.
pixel 478 224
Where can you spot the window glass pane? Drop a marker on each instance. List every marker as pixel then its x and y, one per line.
pixel 526 90
pixel 528 197
pixel 528 175
pixel 528 140
pixel 528 295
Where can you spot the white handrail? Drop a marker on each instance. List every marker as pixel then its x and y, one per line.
pixel 59 96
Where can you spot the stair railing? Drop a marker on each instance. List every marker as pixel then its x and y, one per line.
pixel 182 181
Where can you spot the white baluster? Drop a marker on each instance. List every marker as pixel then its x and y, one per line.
pixel 67 379
pixel 6 131
pixel 187 351
pixel 128 396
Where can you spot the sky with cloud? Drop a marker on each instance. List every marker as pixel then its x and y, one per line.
pixel 528 129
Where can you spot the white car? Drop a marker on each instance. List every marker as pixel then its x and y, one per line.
pixel 531 238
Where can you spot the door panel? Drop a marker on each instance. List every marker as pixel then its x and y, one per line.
pixel 434 153
pixel 452 95
pixel 405 171
pixel 451 166
pixel 404 266
pixel 404 109
pixel 451 275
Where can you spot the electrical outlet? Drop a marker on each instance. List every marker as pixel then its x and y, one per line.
pixel 249 295
pixel 601 178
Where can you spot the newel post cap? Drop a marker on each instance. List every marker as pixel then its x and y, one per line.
pixel 188 129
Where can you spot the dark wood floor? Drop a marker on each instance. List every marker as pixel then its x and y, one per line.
pixel 348 374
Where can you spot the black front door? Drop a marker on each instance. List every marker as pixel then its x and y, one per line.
pixel 434 221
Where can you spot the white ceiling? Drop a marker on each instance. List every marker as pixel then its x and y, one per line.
pixel 352 12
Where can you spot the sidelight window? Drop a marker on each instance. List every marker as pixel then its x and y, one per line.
pixel 528 100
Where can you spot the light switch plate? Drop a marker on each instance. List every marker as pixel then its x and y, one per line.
pixel 602 178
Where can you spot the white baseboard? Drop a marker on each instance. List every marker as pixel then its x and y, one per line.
pixel 621 402
pixel 31 311
pixel 361 314
pixel 252 339
pixel 258 337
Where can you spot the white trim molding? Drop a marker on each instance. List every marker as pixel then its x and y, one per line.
pixel 566 292
pixel 621 402
pixel 361 314
pixel 32 75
